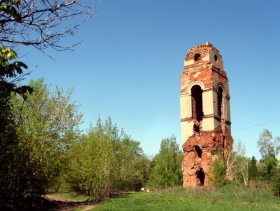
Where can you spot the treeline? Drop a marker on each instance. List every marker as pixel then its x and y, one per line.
pixel 43 149
pixel 105 161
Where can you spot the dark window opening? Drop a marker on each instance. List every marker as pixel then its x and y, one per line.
pixel 201 176
pixel 198 151
pixel 220 101
pixel 216 58
pixel 197 57
pixel 197 112
pixel 196 128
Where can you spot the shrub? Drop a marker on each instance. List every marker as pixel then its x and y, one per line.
pixel 218 171
pixel 275 181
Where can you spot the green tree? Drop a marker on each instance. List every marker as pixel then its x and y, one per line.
pixel 133 164
pixel 105 161
pixel 269 150
pixel 93 167
pixel 11 157
pixel 47 125
pixel 41 24
pixel 267 166
pixel 167 165
pixel 253 169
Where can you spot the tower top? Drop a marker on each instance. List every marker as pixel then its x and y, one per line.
pixel 204 54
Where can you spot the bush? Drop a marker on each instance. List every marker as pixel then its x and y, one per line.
pixel 275 182
pixel 218 172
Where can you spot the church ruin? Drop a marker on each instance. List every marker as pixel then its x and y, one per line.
pixel 205 113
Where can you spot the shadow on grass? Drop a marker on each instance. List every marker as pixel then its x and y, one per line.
pixel 44 203
pixel 39 203
pixel 55 203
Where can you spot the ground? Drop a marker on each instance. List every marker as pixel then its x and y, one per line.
pixel 66 204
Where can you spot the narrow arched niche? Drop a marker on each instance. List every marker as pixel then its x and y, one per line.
pixel 201 176
pixel 197 112
pixel 198 151
pixel 220 101
pixel 216 58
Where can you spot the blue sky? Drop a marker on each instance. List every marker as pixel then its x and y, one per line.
pixel 131 57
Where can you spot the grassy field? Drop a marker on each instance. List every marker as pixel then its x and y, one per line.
pixel 200 198
pixel 195 199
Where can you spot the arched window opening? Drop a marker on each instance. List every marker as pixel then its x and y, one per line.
pixel 198 151
pixel 216 58
pixel 197 57
pixel 201 176
pixel 197 112
pixel 220 101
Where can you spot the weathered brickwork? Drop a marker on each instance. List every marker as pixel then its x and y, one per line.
pixel 205 113
pixel 209 142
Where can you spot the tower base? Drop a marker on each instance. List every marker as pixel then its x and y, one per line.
pixel 200 150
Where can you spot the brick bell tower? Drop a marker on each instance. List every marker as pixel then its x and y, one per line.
pixel 205 114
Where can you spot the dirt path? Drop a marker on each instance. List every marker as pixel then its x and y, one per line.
pixel 68 205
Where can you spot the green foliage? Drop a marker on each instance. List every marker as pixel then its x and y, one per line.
pixel 269 150
pixel 218 171
pixel 8 148
pixel 267 165
pixel 253 169
pixel 9 8
pixel 133 164
pixel 12 158
pixel 49 116
pixel 11 70
pixel 33 140
pixel 105 161
pixel 93 166
pixel 47 125
pixel 275 181
pixel 167 165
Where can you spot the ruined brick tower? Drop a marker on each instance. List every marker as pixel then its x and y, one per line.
pixel 205 113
